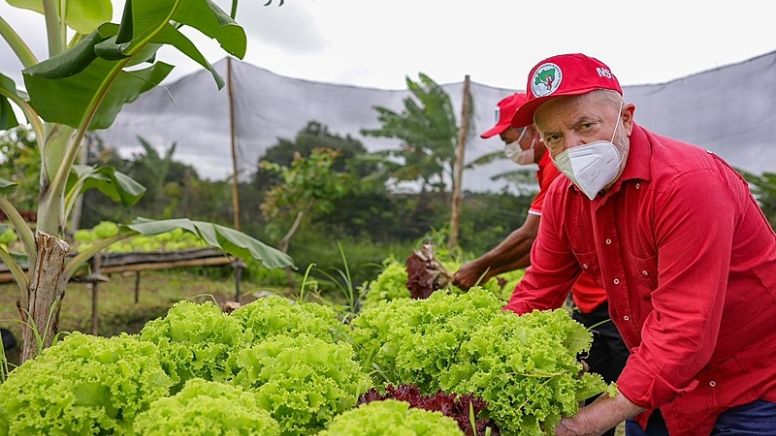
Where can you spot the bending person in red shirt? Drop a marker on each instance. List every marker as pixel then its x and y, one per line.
pixel 608 354
pixel 686 256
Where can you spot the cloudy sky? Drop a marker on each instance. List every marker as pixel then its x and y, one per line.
pixel 376 43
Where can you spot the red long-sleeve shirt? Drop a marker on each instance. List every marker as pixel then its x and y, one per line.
pixel 585 293
pixel 688 262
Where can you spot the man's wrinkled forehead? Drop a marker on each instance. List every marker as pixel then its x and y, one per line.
pixel 572 108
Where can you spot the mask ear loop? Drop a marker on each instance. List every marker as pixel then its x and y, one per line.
pixel 519 138
pixel 619 117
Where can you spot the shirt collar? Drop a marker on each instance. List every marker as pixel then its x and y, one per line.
pixel 639 165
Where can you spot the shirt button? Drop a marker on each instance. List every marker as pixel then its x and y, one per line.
pixel 645 272
pixel 584 266
pixel 712 383
pixel 608 241
pixel 616 281
pixel 626 318
pixel 638 185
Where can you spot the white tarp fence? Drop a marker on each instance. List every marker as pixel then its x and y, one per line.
pixel 730 110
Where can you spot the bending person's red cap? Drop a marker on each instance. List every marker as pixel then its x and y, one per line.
pixel 566 74
pixel 505 110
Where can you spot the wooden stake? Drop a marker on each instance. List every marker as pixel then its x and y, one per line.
pixel 137 287
pixel 233 142
pixel 463 130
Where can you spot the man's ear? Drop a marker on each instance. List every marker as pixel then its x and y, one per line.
pixel 627 117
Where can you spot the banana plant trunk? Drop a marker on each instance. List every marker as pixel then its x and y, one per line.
pixel 44 296
pixel 40 305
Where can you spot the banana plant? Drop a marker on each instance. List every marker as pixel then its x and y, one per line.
pixel 81 86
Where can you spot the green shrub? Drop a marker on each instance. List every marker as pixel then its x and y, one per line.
pixel 206 408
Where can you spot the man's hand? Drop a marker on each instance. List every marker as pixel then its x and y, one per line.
pixel 470 274
pixel 605 413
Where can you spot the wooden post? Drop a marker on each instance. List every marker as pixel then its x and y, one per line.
pixel 233 142
pixel 238 269
pixel 95 285
pixel 463 130
pixel 137 287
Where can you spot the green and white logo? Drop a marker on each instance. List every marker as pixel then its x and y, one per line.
pixel 546 79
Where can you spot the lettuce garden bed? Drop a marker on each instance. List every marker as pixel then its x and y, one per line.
pixel 293 368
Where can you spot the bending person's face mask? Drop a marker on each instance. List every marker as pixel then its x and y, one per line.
pixel 519 156
pixel 592 166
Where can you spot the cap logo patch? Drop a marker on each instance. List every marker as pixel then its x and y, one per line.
pixel 546 79
pixel 604 72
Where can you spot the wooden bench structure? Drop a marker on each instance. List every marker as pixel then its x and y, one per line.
pixel 111 263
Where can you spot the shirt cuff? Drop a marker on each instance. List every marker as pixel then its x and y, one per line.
pixel 645 388
pixel 534 212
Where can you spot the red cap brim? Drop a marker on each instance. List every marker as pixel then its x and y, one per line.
pixel 495 130
pixel 525 114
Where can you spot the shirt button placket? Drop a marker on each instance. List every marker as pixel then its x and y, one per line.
pixel 614 264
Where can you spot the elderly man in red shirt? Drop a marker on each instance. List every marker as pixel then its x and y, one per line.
pixel 685 254
pixel 608 353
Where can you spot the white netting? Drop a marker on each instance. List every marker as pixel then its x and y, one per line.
pixel 730 110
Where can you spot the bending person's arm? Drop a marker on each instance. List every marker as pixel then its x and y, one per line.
pixel 511 254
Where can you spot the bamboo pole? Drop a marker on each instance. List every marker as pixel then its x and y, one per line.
pixel 463 130
pixel 233 142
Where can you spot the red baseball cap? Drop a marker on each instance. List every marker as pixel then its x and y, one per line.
pixel 505 110
pixel 566 74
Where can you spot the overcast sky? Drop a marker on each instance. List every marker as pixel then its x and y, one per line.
pixel 376 43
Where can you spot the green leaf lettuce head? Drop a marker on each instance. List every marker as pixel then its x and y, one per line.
pixel 391 417
pixel 106 229
pixel 389 285
pixel 303 382
pixel 206 408
pixel 412 341
pixel 272 316
pixel 83 385
pixel 525 368
pixel 195 340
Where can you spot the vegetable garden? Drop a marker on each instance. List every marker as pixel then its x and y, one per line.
pixel 451 363
pixel 406 353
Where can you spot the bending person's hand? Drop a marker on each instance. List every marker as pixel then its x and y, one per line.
pixel 470 274
pixel 604 413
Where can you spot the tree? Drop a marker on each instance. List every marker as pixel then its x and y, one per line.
pixel 309 187
pixel 82 86
pixel 427 128
pixel 156 167
pixel 20 161
pixel 350 152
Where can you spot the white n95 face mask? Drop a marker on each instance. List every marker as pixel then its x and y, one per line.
pixel 591 166
pixel 518 155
